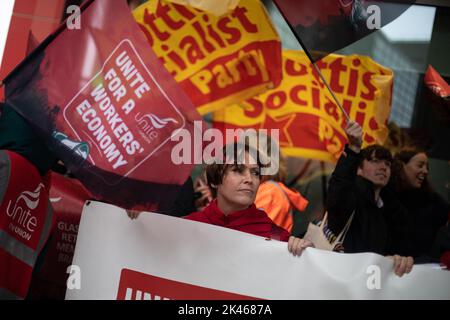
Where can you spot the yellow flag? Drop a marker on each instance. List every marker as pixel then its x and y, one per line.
pixel 218 61
pixel 217 7
pixel 310 123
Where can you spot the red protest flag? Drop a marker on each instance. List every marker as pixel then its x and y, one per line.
pixel 434 81
pixel 107 107
pixel 437 96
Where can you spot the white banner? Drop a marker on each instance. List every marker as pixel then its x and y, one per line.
pixel 161 257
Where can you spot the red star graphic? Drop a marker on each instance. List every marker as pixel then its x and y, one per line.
pixel 281 123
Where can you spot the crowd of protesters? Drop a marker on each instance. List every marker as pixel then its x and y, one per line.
pixel 387 200
pixel 393 210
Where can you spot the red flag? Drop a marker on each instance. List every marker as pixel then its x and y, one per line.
pixel 107 107
pixel 435 82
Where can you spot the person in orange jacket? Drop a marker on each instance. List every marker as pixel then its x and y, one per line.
pixel 279 201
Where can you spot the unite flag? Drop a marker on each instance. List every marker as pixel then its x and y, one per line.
pixel 107 107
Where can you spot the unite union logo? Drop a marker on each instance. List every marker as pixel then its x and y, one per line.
pixel 159 123
pixel 31 198
pixel 22 222
pixel 150 124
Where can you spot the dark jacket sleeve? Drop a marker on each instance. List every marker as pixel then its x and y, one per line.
pixel 184 203
pixel 444 244
pixel 341 199
pixel 441 210
pixel 398 221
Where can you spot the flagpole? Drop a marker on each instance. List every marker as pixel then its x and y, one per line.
pixel 312 61
pixel 331 91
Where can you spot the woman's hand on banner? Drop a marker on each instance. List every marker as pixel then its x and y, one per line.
pixel 297 245
pixel 133 214
pixel 402 265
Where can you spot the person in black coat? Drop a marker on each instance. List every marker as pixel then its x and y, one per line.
pixel 357 186
pixel 427 211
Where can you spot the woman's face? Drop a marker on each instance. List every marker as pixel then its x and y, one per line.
pixel 416 170
pixel 239 186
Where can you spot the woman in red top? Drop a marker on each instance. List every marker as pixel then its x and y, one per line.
pixel 234 184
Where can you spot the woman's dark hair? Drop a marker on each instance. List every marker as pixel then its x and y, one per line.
pixel 232 156
pixel 402 158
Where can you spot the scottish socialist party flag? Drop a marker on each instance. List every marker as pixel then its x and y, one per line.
pixel 325 26
pixel 107 107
